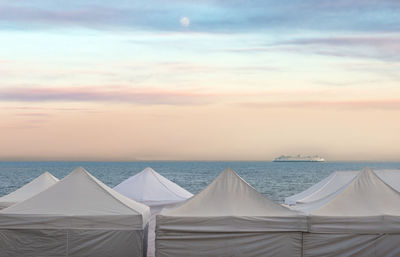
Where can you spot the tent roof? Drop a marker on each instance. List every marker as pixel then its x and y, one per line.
pixel 37 185
pixel 361 206
pixel 390 177
pixel 79 194
pixel 367 195
pixel 337 181
pixel 334 182
pixel 152 189
pixel 229 195
pixel 230 203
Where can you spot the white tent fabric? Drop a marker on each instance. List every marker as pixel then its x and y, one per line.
pixel 78 216
pixel 152 189
pixel 390 177
pixel 229 218
pixel 30 189
pixel 361 220
pixel 325 187
pixel 155 191
pixel 337 181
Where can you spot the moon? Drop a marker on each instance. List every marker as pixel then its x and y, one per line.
pixel 185 22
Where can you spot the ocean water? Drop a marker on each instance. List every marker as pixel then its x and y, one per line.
pixel 273 179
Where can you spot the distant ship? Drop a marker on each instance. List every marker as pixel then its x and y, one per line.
pixel 299 158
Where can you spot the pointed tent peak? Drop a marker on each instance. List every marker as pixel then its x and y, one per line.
pixel 228 172
pixel 37 185
pixel 148 170
pixel 363 197
pixel 336 181
pixel 366 170
pixel 79 170
pixel 228 175
pixel 151 188
pixel 367 177
pixel 48 175
pixel 229 195
pixel 80 193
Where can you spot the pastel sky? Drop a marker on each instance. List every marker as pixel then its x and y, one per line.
pixel 199 80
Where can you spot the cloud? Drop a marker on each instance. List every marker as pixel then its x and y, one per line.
pixel 43 110
pixel 33 114
pixel 13 127
pixel 95 94
pixel 188 67
pixel 99 15
pixel 388 43
pixel 389 104
pixel 58 16
pixel 380 46
pixel 385 47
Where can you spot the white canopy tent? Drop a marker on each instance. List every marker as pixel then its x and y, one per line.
pixel 152 189
pixel 334 182
pixel 229 218
pixel 361 220
pixel 34 187
pixel 390 177
pixel 157 192
pixel 337 181
pixel 78 216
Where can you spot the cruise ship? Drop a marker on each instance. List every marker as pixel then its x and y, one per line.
pixel 299 158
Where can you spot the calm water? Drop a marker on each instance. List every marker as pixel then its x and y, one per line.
pixel 275 180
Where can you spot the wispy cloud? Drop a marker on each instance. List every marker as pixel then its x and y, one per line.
pixel 56 16
pixel 379 46
pixel 33 114
pixel 388 104
pixel 21 126
pixel 259 98
pixel 44 110
pixel 109 94
pixel 188 67
pixel 390 42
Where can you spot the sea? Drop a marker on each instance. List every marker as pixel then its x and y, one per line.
pixel 275 180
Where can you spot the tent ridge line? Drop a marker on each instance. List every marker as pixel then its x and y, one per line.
pixel 99 184
pixel 154 175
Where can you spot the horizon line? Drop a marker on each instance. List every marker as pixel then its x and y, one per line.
pixel 181 160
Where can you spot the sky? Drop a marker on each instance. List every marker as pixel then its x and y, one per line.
pixel 199 80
